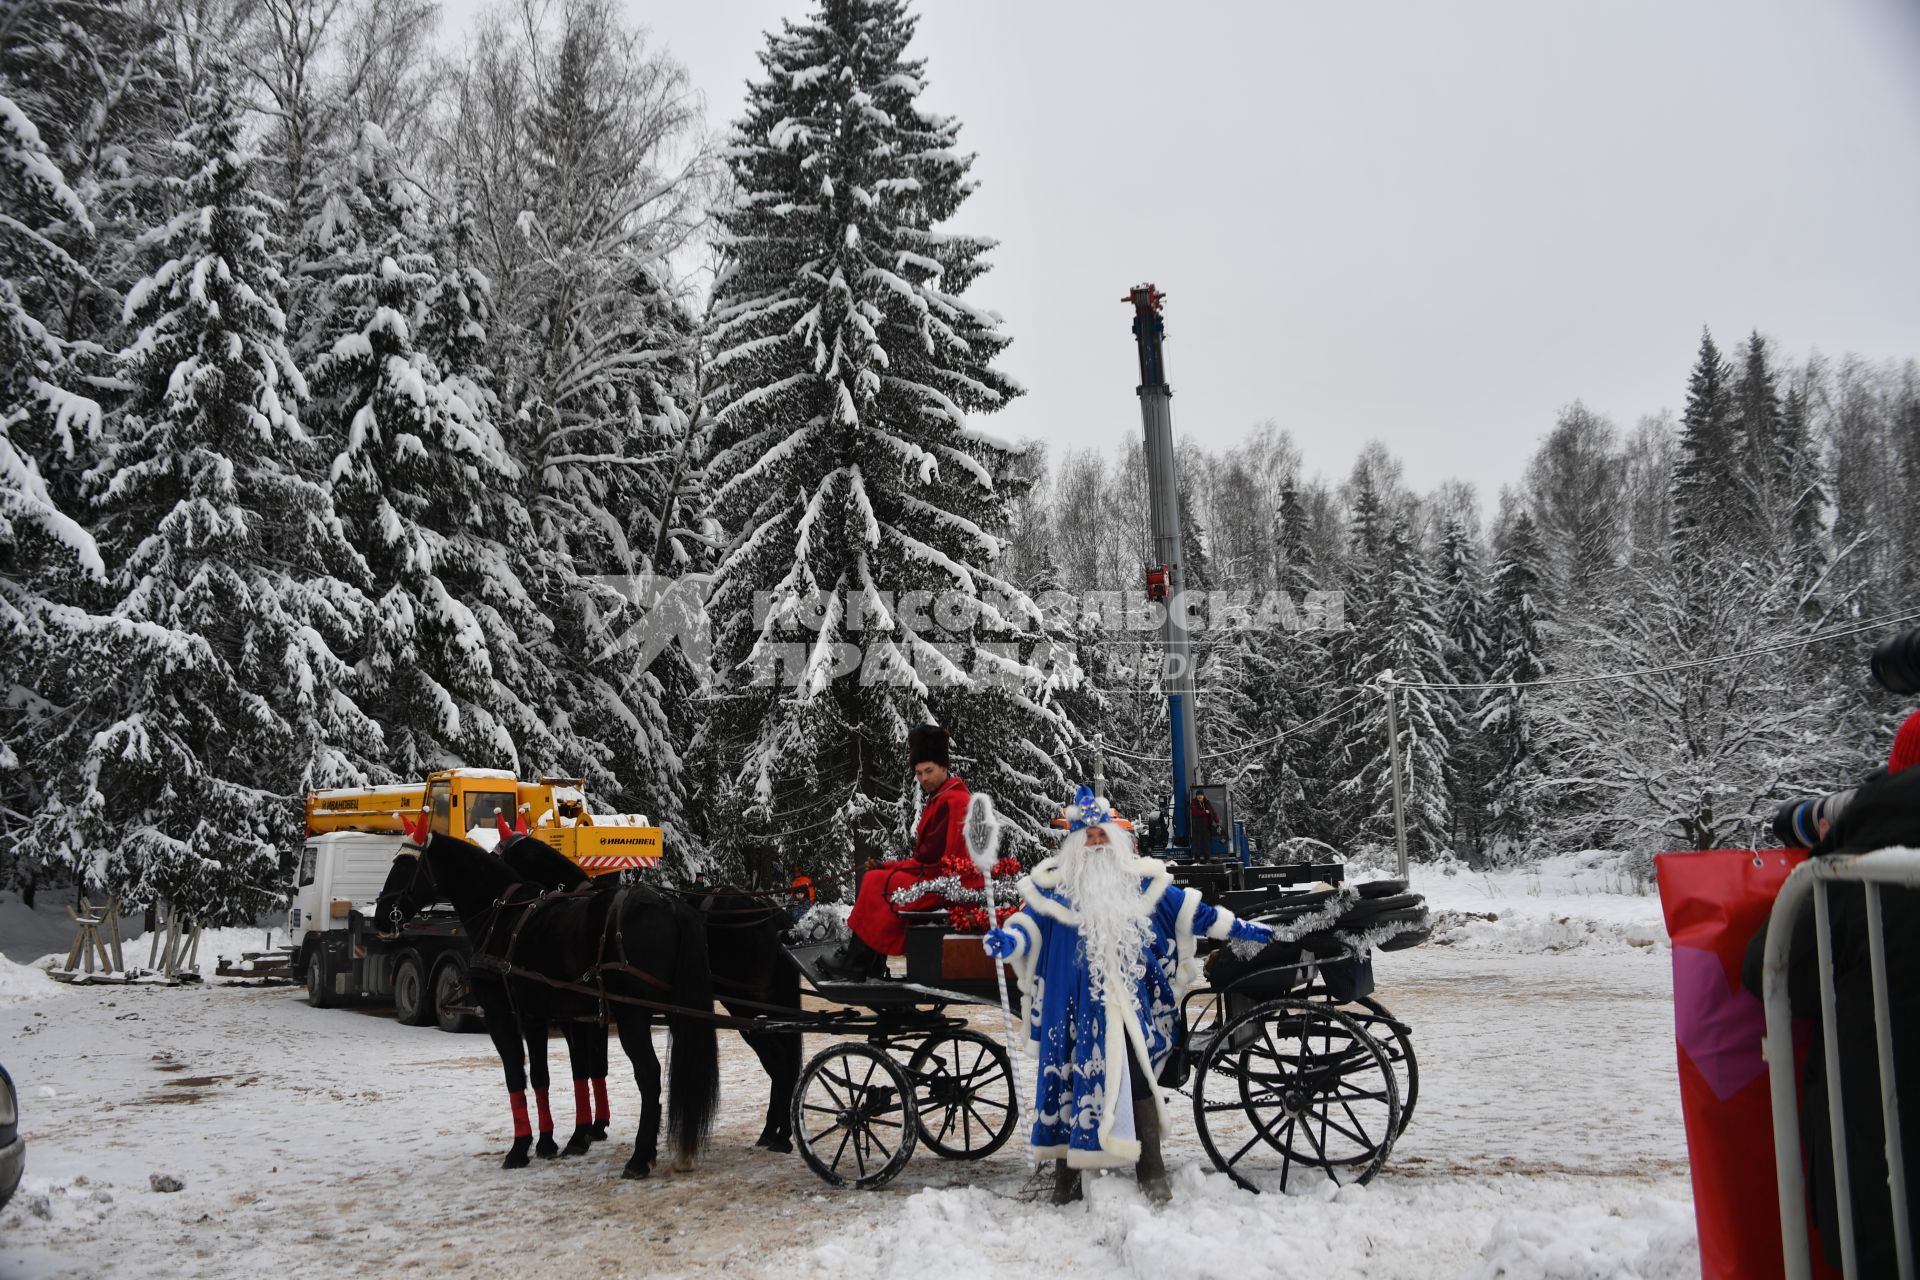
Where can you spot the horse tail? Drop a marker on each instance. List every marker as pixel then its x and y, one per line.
pixel 693 1070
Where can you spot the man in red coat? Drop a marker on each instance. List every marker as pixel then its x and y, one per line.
pixel 878 931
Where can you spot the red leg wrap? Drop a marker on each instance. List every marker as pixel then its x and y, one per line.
pixel 582 1108
pixel 599 1099
pixel 521 1129
pixel 546 1115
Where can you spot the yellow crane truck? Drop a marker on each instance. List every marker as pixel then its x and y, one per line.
pixel 353 836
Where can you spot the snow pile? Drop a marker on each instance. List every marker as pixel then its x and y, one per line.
pixel 1644 1239
pixel 1507 1228
pixel 1588 901
pixel 20 983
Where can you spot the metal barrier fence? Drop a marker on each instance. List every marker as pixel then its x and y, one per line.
pixel 1899 867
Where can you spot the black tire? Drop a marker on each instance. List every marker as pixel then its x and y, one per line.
pixel 851 1118
pixel 413 1002
pixel 963 1094
pixel 1282 1071
pixel 320 980
pixel 449 990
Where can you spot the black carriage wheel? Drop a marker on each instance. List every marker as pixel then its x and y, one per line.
pixel 1295 1082
pixel 851 1116
pixel 963 1094
pixel 1345 1094
pixel 1399 1047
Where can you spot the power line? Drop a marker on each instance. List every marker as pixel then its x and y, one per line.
pixel 1133 755
pixel 1298 728
pixel 1675 666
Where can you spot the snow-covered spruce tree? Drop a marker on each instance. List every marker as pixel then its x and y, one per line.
pixel 1802 491
pixel 226 545
pixel 1287 791
pixel 571 175
pixel 1465 622
pixel 1755 409
pixel 1516 655
pixel 1781 469
pixel 1710 497
pixel 847 360
pixel 422 483
pixel 48 559
pixel 1396 627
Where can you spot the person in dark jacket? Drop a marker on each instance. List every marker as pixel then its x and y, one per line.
pixel 1205 821
pixel 1884 813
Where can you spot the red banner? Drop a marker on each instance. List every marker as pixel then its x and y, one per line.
pixel 1714 902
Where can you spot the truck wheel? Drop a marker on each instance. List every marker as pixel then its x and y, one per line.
pixel 450 990
pixel 412 1001
pixel 320 981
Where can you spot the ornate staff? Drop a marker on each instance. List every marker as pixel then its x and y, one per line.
pixel 982 832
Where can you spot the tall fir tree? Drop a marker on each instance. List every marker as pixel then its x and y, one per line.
pixel 1709 498
pixel 1288 684
pixel 1467 627
pixel 1766 466
pixel 48 558
pixel 424 487
pixel 1801 492
pixel 1396 628
pixel 847 362
pixel 230 558
pixel 1516 657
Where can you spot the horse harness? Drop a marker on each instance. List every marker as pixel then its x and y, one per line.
pixel 592 983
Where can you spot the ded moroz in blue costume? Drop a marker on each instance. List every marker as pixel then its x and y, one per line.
pixel 1103 949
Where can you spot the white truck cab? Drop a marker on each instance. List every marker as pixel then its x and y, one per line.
pixel 340 872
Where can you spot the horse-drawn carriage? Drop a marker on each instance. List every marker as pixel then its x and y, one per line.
pixel 1286 1055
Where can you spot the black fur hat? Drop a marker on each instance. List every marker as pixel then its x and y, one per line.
pixel 928 742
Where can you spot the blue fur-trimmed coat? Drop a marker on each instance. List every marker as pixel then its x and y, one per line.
pixel 1083 1103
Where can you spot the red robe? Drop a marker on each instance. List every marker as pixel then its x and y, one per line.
pixel 939 849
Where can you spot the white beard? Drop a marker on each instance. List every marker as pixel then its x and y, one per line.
pixel 1104 888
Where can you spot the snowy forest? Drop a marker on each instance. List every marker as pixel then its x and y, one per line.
pixel 346 380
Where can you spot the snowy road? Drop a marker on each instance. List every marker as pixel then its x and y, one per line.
pixel 1547 1144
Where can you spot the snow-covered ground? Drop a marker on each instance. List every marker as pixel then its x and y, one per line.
pixel 1547 1141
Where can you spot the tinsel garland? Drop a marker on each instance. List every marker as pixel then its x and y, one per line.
pixel 1294 930
pixel 966 904
pixel 953 889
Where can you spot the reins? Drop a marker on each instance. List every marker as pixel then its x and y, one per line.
pixel 593 983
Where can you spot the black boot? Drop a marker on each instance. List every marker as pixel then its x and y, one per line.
pixel 1066 1184
pixel 855 961
pixel 1150 1169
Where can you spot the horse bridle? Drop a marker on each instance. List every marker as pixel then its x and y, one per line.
pixel 407 894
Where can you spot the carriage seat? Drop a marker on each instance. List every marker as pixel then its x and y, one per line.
pixel 938 956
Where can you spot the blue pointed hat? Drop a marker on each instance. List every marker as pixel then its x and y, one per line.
pixel 1087 810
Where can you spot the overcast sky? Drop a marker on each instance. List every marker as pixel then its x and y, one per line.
pixel 1431 223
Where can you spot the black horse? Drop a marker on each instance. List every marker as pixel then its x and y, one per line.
pixel 640 948
pixel 752 972
pixel 538 865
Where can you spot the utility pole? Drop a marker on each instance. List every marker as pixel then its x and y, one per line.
pixel 1399 788
pixel 1166 577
